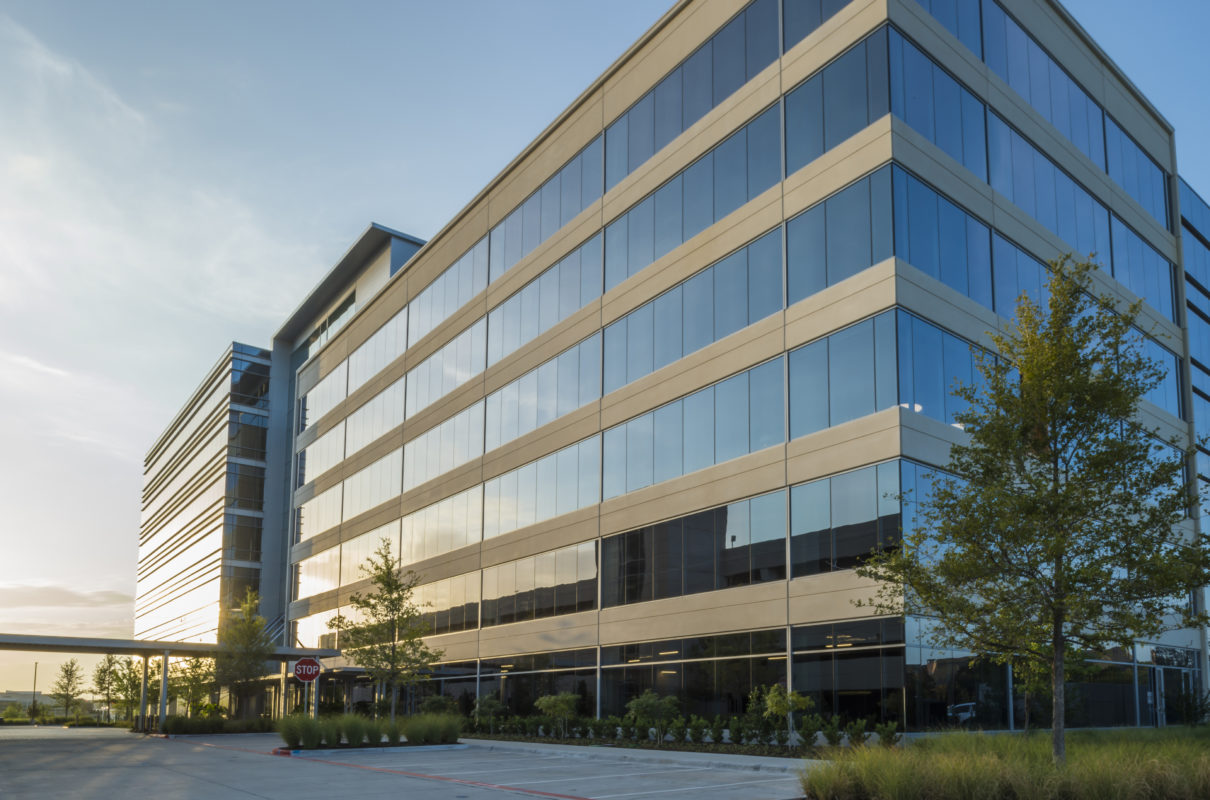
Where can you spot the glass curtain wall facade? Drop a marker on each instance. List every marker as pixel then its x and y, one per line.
pixel 651 401
pixel 202 539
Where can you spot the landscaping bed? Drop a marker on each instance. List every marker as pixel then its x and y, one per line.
pixel 1129 764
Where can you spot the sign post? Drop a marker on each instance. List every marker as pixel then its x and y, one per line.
pixel 307 670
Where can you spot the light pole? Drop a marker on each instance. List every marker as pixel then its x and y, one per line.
pixel 33 695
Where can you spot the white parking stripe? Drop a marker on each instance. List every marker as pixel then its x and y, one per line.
pixel 613 775
pixel 692 788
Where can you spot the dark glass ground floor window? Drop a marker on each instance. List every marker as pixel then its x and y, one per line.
pixel 733 545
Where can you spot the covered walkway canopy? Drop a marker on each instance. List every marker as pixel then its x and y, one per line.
pixel 147 649
pixel 140 647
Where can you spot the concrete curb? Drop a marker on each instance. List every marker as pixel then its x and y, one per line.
pixel 728 761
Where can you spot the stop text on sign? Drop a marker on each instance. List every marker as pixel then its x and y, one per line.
pixel 306 669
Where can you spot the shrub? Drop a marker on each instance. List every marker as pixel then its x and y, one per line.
pixel 832 733
pixel 735 730
pixel 290 731
pixel 560 708
pixel 607 727
pixel 857 733
pixel 650 710
pixel 809 727
pixel 309 732
pixel 392 730
pixel 487 710
pixel 697 729
pixel 354 727
pixel 432 728
pixel 888 735
pixel 716 729
pixel 676 729
pixel 438 704
pixel 329 728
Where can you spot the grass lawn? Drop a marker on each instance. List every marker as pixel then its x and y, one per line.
pixel 1129 764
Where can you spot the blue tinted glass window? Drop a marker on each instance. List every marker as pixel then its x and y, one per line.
pixel 804 124
pixel 640 231
pixel 640 452
pixel 668 220
pixel 877 86
pixel 851 372
pixel 641 131
pixel 766 405
pixel 698 434
pixel 590 270
pixel 668 327
pixel 698 311
pixel 881 216
pixel 699 196
pixel 952 238
pixel 764 151
pixel 764 276
pixel 730 294
pixel 729 62
pixel 844 90
pixel 886 364
pixel 571 191
pixel 760 30
pixel 731 418
pixel 669 431
pixel 668 109
pixel 730 174
pixel 698 89
pixel 616 253
pixel 848 232
pixel 808 389
pixel 617 147
pixel 615 356
pixel 640 348
pixel 613 462
pixel 592 179
pixel 806 260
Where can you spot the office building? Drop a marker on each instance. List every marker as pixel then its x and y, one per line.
pixel 203 541
pixel 635 413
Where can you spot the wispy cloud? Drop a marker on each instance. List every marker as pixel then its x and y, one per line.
pixel 31 596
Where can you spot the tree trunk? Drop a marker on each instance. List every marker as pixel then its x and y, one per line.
pixel 1058 733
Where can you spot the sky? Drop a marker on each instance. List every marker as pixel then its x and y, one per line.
pixel 175 176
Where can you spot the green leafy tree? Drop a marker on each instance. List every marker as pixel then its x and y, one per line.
pixel 489 707
pixel 105 680
pixel 68 686
pixel 193 680
pixel 650 710
pixel 559 707
pixel 780 706
pixel 128 683
pixel 1060 527
pixel 386 638
pixel 243 647
pixel 14 712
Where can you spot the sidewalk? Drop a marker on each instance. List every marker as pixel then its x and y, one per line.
pixel 605 753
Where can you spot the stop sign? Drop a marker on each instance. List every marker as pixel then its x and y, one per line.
pixel 306 669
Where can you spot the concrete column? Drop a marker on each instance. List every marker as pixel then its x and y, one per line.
pixel 143 699
pixel 163 690
pixel 315 697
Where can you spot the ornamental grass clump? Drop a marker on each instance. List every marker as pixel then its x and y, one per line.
pixel 329 728
pixel 354 727
pixel 290 730
pixel 432 728
pixel 309 733
pixel 1173 764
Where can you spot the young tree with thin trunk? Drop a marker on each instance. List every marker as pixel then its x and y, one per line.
pixel 193 679
pixel 69 685
pixel 1059 528
pixel 387 636
pixel 105 681
pixel 244 647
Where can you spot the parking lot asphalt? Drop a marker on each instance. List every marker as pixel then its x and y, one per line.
pixel 106 763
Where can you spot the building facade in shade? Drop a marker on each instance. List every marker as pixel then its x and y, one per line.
pixel 637 411
pixel 203 539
